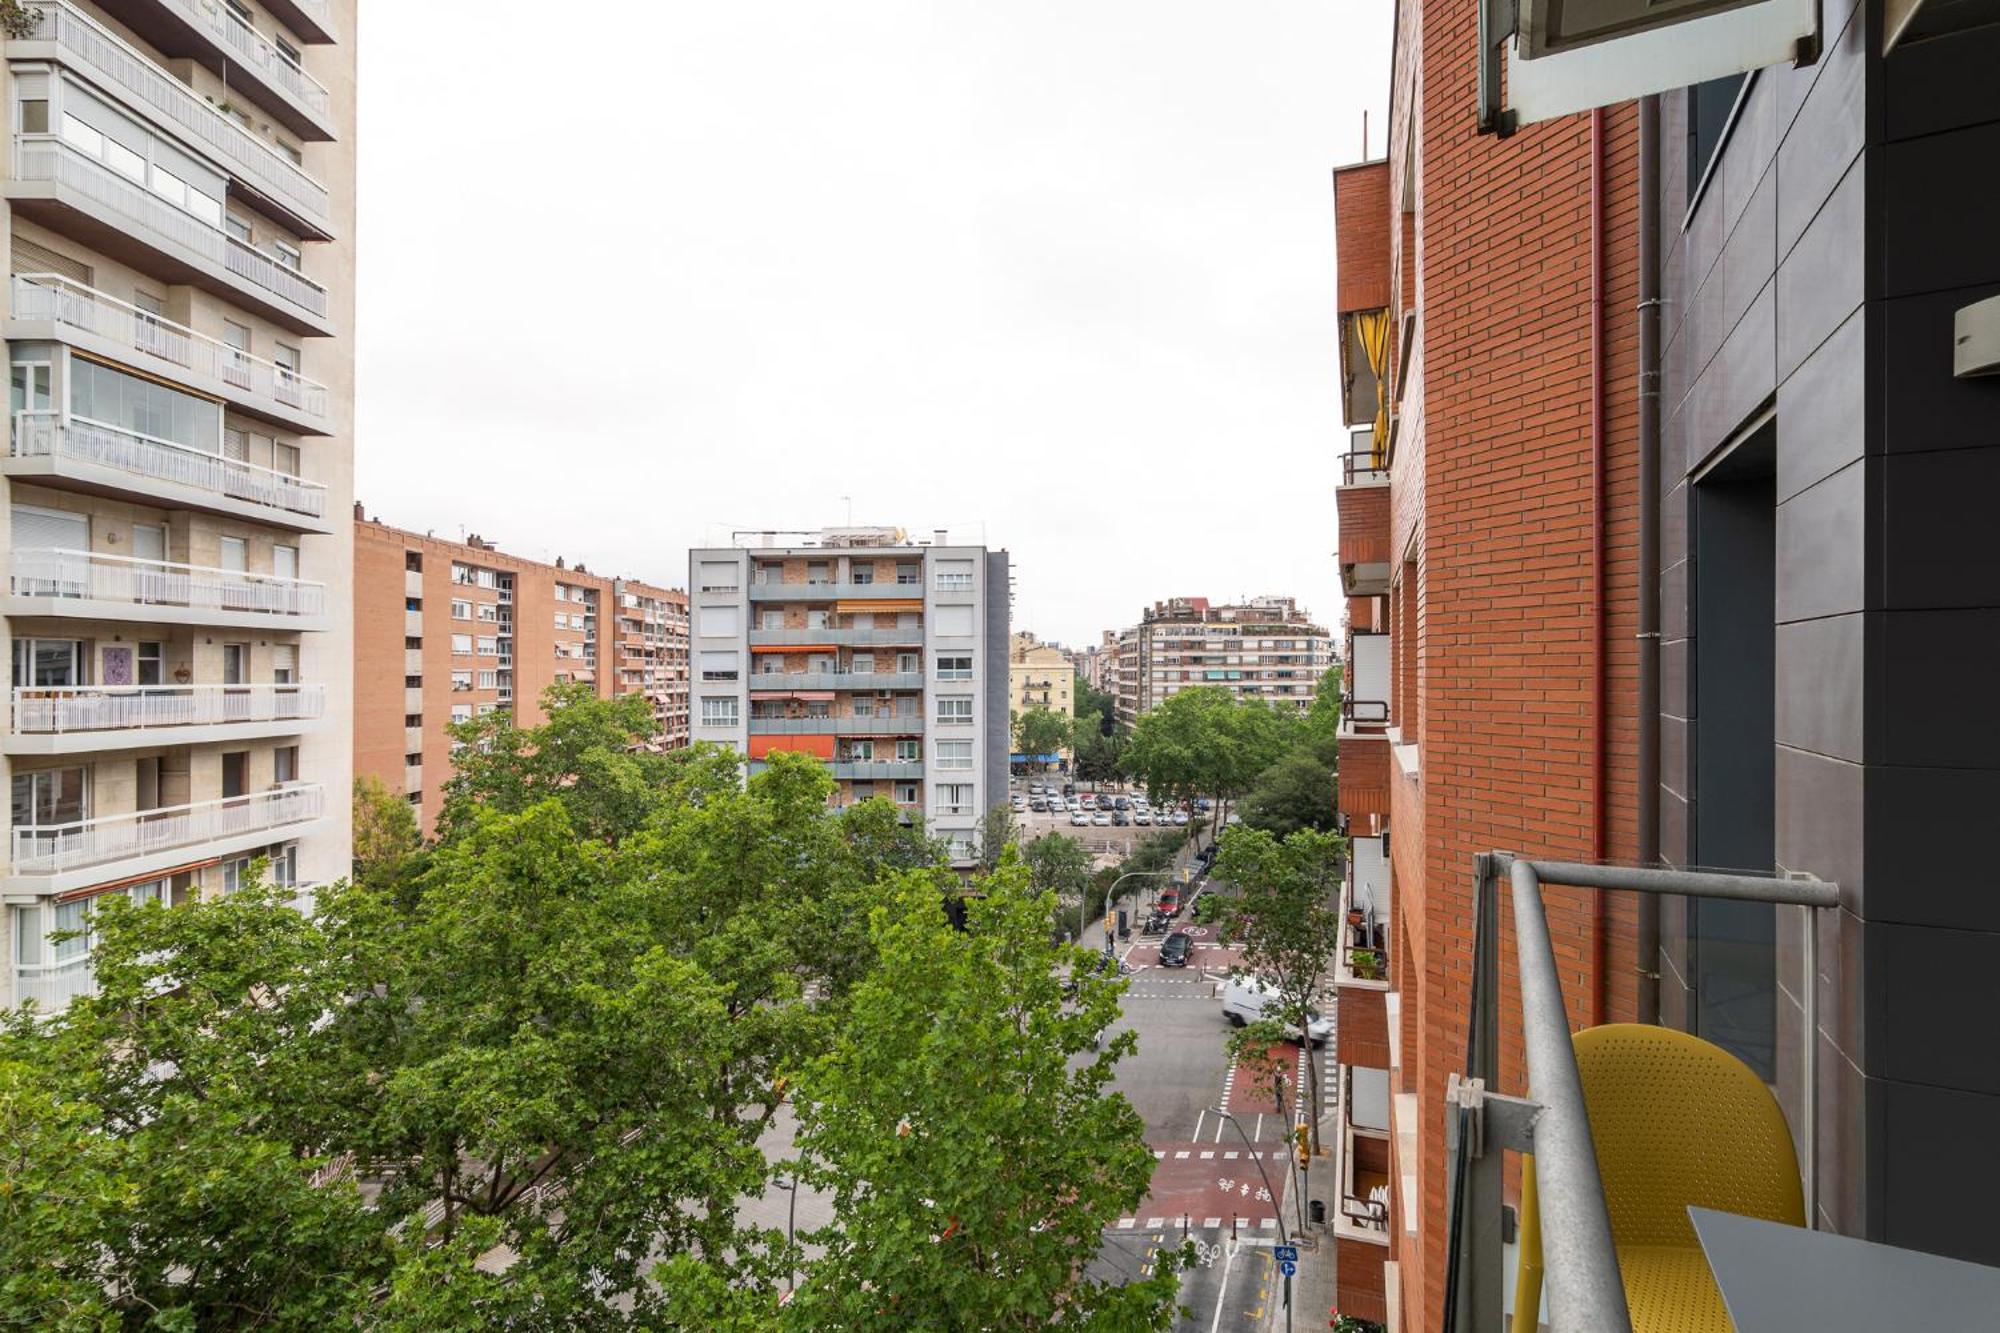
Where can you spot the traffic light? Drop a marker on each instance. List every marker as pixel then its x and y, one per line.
pixel 1304 1136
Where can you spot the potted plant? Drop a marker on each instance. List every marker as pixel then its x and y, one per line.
pixel 1366 964
pixel 17 20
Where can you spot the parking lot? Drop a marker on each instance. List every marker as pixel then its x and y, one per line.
pixel 1112 840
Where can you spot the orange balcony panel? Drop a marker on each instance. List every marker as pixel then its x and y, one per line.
pixel 818 746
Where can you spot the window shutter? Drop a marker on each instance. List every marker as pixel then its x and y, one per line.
pixel 28 257
pixel 48 530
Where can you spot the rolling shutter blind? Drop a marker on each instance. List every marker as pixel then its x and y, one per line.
pixel 27 257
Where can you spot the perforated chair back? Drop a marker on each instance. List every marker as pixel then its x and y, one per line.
pixel 1677 1121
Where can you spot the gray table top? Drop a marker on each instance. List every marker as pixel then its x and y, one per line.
pixel 1777 1278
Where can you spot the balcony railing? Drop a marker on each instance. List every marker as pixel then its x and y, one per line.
pixel 86 42
pixel 90 842
pixel 859 637
pixel 90 576
pixel 836 680
pixel 1362 461
pixel 47 435
pixel 1584 1284
pixel 96 708
pixel 52 986
pixel 818 592
pixel 254 50
pixel 47 296
pixel 836 726
pixel 40 158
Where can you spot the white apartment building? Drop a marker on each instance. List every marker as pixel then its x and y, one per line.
pixel 179 204
pixel 882 656
pixel 1265 648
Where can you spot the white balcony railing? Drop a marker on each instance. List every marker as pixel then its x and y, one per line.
pixel 89 842
pixel 39 158
pixel 47 296
pixel 52 986
pixel 93 708
pixel 90 576
pixel 254 50
pixel 85 41
pixel 47 435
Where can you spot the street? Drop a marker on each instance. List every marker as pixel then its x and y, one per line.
pixel 1215 1176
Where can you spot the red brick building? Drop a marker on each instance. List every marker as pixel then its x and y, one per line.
pixel 445 631
pixel 1487 543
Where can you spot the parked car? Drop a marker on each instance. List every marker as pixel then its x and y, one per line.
pixel 1169 903
pixel 1101 820
pixel 1175 949
pixel 1121 803
pixel 1204 805
pixel 1180 818
pixel 1246 999
pixel 1121 819
pixel 1038 805
pixel 1078 819
pixel 1141 818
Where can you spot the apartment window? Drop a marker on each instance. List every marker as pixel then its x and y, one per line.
pixel 954 667
pixel 720 621
pixel 489 612
pixel 287 359
pixel 1709 106
pixel 238 229
pixel 907 620
pixel 285 565
pixel 51 798
pixel 719 666
pixel 819 708
pixel 287 254
pixel 461 645
pixel 461 712
pixel 34 118
pixel 413 719
pixel 955 621
pixel 864 708
pixel 489 647
pixel 285 764
pixel 719 712
pixel 235 774
pixel 909 575
pixel 862 575
pixel 863 664
pixel 815 620
pixel 862 620
pixel 151 664
pixel 461 610
pixel 235 664
pixel 461 573
pixel 816 574
pixel 48 663
pixel 954 798
pixel 954 754
pixel 718 576
pixel 562 620
pixel 861 752
pixel 906 793
pixel 414 643
pixel 413 561
pixel 953 575
pixel 954 710
pixel 241 12
pixel 286 49
pixel 909 751
pixel 461 680
pixel 489 680
pixel 907 663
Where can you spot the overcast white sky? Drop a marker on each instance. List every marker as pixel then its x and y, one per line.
pixel 1054 273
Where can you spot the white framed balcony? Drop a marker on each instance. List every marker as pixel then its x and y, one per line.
pixel 94 586
pixel 68 36
pixel 53 986
pixel 208 33
pixel 887 725
pixel 50 308
pixel 104 459
pixel 62 187
pixel 65 857
pixel 912 637
pixel 835 680
pixel 83 718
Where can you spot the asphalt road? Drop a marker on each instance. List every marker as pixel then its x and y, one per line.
pixel 1209 1188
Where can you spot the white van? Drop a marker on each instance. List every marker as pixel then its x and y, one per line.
pixel 1244 1000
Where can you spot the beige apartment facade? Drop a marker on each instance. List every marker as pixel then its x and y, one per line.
pixel 448 631
pixel 179 201
pixel 1265 648
pixel 1041 675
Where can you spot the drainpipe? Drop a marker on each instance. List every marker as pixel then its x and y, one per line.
pixel 1649 550
pixel 1600 925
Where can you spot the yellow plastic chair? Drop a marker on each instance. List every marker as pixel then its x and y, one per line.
pixel 1677 1121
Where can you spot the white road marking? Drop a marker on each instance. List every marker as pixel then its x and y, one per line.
pixel 1196 1136
pixel 1127 1223
pixel 1228 1262
pixel 1259 1135
pixel 1211 1221
pixel 1152 1222
pixel 1205 1156
pixel 1229 1156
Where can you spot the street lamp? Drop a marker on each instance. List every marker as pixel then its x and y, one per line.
pixel 1083 904
pixel 1277 1204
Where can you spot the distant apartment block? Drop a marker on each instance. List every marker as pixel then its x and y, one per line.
pixel 882 656
pixel 1041 675
pixel 180 221
pixel 1266 649
pixel 446 631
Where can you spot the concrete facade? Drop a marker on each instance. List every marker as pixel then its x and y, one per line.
pixel 1041 676
pixel 179 318
pixel 1266 649
pixel 884 657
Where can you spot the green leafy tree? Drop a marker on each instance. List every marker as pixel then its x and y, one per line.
pixel 961 1053
pixel 1295 793
pixel 1206 742
pixel 997 832
pixel 1285 912
pixel 1094 710
pixel 1041 731
pixel 386 838
pixel 1058 865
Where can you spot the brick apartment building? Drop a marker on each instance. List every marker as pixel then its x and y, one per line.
pixel 650 645
pixel 1486 546
pixel 445 631
pixel 180 224
pixel 1266 648
pixel 1745 628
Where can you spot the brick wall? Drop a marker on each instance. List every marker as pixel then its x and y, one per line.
pixel 1361 235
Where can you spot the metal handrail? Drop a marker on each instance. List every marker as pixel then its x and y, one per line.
pixel 1586 1291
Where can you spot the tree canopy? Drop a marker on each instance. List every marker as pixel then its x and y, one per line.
pixel 1206 742
pixel 504 1080
pixel 1041 731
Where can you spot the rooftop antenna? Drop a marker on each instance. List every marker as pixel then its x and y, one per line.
pixel 1364 134
pixel 850 509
